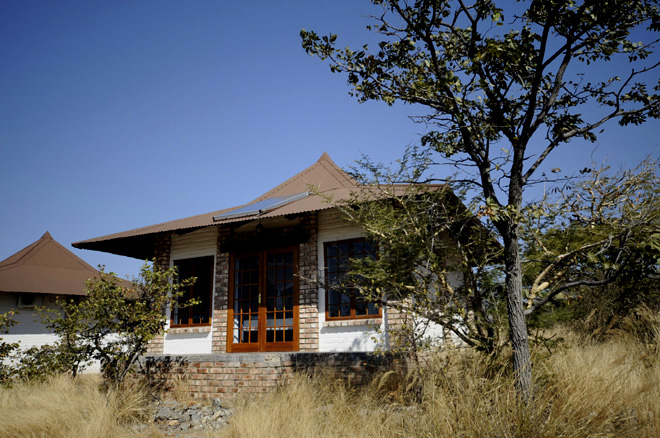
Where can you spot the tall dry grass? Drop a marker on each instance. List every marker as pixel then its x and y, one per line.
pixel 587 390
pixel 66 408
pixel 582 390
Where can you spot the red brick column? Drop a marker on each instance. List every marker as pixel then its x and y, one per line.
pixel 221 295
pixel 308 309
pixel 162 247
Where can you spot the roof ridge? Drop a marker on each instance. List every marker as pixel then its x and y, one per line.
pixel 67 253
pixel 15 258
pixel 341 177
pixel 23 257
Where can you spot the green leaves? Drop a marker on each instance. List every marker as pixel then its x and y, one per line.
pixel 114 323
pixel 487 83
pixel 600 229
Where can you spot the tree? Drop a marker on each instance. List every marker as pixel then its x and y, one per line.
pixel 600 230
pixel 436 263
pixel 114 323
pixel 7 349
pixel 501 99
pixel 595 230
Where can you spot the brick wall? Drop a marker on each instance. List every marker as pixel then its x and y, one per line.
pixel 308 309
pixel 221 294
pixel 227 375
pixel 162 247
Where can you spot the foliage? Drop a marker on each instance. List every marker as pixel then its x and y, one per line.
pixel 6 348
pixel 435 263
pixel 37 364
pixel 502 90
pixel 114 323
pixel 601 229
pixel 31 364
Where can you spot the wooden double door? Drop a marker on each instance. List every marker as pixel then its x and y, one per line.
pixel 263 301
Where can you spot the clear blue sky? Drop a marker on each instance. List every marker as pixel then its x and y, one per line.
pixel 117 115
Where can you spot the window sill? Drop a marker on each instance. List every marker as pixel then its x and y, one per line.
pixel 184 330
pixel 353 322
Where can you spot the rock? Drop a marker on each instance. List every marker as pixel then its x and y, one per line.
pixel 171 416
pixel 163 413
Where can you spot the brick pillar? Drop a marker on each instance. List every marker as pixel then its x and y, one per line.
pixel 221 295
pixel 162 247
pixel 309 293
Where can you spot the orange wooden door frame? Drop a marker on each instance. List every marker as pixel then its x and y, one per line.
pixel 262 344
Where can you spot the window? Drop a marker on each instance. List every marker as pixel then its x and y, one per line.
pixel 341 299
pixel 202 290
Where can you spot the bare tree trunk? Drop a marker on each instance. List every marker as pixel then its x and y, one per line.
pixel 522 363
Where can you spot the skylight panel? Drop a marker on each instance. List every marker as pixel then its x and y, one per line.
pixel 260 207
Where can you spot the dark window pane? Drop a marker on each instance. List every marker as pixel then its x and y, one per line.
pixel 360 308
pixel 340 300
pixel 201 290
pixel 333 297
pixel 345 298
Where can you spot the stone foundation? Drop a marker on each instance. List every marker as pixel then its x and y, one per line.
pixel 227 375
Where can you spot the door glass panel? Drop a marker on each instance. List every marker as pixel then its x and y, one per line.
pixel 246 300
pixel 264 293
pixel 279 297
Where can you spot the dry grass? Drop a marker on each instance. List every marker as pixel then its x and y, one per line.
pixel 604 390
pixel 63 407
pixel 583 390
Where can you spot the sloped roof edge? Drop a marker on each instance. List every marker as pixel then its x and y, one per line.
pixel 324 175
pixel 45 266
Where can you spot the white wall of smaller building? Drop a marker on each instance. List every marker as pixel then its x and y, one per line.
pixel 29 331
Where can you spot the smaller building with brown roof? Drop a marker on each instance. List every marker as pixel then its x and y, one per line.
pixel 36 276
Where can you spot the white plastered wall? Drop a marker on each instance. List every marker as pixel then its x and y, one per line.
pixel 199 243
pixel 29 331
pixel 332 335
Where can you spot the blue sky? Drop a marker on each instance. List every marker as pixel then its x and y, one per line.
pixel 117 115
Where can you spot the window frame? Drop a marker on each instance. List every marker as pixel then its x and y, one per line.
pixel 352 315
pixel 188 292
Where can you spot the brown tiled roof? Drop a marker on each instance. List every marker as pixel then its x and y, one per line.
pixel 45 267
pixel 323 176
